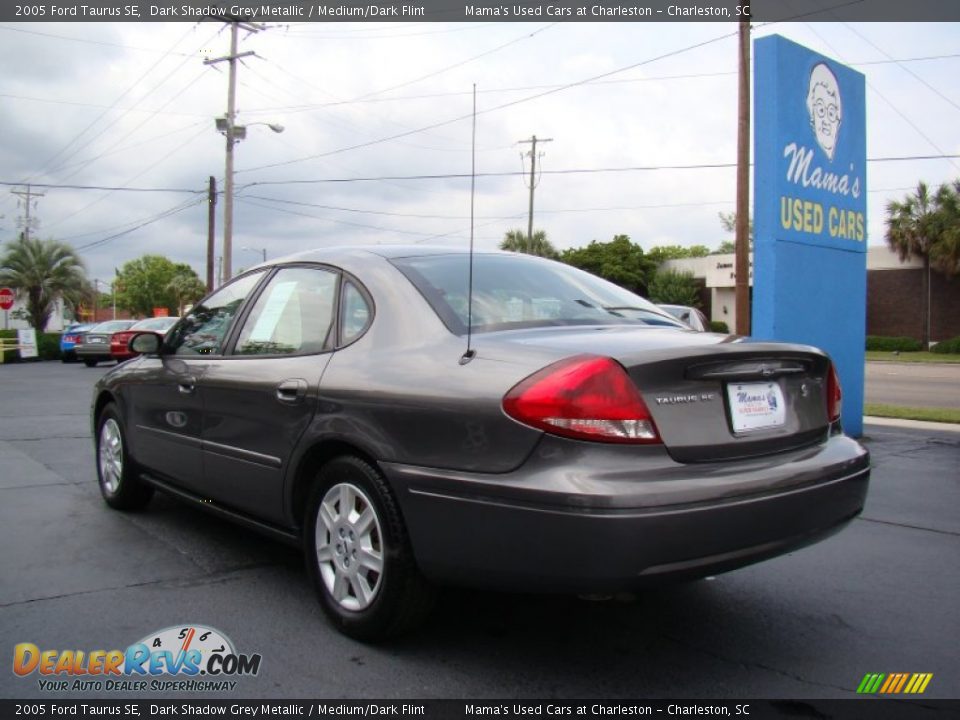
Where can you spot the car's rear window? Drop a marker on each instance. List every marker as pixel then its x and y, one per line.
pixel 513 290
pixel 112 326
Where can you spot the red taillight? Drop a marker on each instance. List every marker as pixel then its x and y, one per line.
pixel 584 397
pixel 834 395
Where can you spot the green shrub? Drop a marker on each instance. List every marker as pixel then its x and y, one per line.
pixel 719 326
pixel 944 347
pixel 48 346
pixel 893 344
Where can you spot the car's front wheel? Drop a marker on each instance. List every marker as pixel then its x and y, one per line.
pixel 120 485
pixel 359 556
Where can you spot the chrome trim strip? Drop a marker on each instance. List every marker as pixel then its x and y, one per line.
pixel 179 437
pixel 236 453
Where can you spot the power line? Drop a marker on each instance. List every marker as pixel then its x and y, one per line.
pixel 301 82
pixel 565 171
pixel 436 176
pixel 247 201
pixel 889 103
pixel 461 63
pixel 445 31
pixel 900 65
pixel 165 214
pixel 385 213
pixel 147 169
pixel 93 123
pixel 520 88
pixel 511 103
pixel 92 42
pixel 63 186
pixel 73 103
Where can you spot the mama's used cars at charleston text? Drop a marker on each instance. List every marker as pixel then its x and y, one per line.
pixel 578 440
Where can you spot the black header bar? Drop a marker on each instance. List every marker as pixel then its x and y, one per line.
pixel 353 709
pixel 281 11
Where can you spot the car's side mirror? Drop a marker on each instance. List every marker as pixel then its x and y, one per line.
pixel 145 343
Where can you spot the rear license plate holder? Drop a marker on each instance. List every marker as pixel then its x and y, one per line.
pixel 756 406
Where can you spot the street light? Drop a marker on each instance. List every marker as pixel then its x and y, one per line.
pixel 234 134
pixel 113 297
pixel 262 251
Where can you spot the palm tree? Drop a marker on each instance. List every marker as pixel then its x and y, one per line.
pixel 913 227
pixel 42 271
pixel 945 254
pixel 186 288
pixel 517 241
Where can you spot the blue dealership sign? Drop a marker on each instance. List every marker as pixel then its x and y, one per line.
pixel 810 209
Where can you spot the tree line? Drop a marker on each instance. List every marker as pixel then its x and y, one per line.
pixel 41 272
pixel 924 224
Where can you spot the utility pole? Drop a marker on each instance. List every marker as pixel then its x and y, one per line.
pixel 533 170
pixel 233 133
pixel 26 198
pixel 211 224
pixel 742 241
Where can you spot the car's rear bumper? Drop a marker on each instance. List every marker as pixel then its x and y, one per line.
pixel 546 527
pixel 87 352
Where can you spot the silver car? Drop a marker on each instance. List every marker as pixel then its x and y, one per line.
pixel 527 427
pixel 94 345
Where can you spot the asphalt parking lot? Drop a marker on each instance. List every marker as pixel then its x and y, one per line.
pixel 879 597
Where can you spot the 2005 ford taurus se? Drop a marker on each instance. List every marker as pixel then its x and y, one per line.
pixel 576 440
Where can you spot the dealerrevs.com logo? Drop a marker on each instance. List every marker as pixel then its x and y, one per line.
pixel 189 658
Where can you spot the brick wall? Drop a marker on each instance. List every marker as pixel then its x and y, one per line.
pixel 895 304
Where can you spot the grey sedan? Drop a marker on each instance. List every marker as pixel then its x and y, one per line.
pixel 94 344
pixel 528 427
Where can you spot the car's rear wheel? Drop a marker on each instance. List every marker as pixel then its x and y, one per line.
pixel 120 485
pixel 359 556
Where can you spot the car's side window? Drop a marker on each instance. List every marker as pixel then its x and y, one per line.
pixel 204 328
pixel 292 316
pixel 354 313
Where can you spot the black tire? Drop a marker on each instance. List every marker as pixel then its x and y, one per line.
pixel 400 597
pixel 90 362
pixel 117 474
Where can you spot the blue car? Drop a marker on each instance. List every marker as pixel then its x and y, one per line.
pixel 69 339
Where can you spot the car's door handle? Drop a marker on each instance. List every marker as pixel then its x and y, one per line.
pixel 291 391
pixel 187 385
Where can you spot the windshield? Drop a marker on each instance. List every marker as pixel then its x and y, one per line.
pixel 514 290
pixel 160 323
pixel 112 326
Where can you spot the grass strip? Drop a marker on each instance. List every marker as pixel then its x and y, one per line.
pixel 900 412
pixel 918 357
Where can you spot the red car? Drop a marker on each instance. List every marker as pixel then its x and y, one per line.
pixel 119 341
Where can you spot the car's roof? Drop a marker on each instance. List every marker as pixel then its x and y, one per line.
pixel 104 323
pixel 336 254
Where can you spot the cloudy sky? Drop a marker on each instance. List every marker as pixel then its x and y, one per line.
pixel 369 109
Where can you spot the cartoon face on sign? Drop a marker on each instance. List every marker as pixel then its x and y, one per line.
pixel 823 104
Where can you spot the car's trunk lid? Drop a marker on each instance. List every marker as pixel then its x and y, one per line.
pixel 712 397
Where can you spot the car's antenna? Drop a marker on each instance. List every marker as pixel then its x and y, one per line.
pixel 470 353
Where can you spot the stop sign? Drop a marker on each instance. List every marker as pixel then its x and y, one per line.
pixel 6 298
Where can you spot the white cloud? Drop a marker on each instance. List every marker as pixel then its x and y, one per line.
pixel 673 111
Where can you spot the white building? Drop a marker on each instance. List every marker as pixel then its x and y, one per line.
pixel 720 278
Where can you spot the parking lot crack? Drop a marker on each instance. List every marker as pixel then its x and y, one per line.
pixel 161 540
pixel 224 576
pixel 756 665
pixel 909 527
